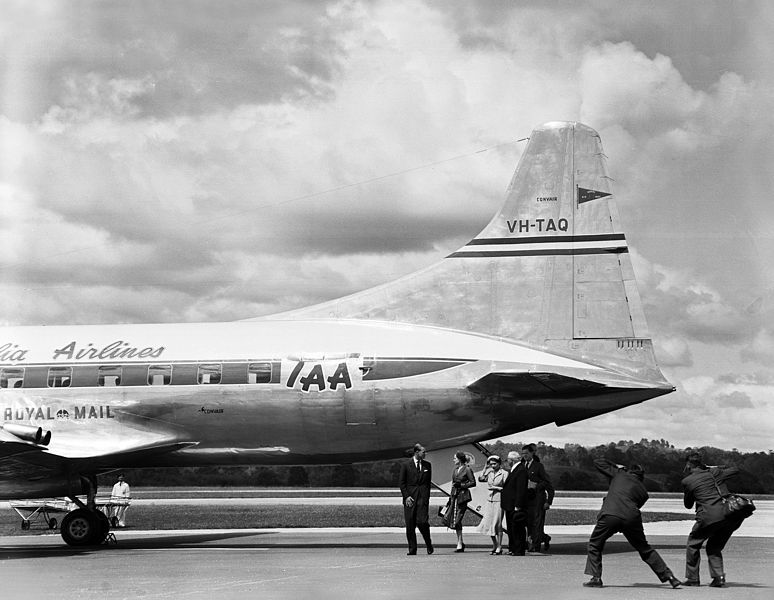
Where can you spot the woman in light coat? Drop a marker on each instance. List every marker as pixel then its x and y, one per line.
pixel 492 521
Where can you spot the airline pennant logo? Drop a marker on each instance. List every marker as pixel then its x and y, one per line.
pixel 585 195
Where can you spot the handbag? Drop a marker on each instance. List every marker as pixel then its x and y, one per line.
pixel 734 505
pixel 444 510
pixel 464 496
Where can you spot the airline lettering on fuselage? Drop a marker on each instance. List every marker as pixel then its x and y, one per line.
pixel 537 225
pixel 12 353
pixel 114 350
pixel 48 413
pixel 314 374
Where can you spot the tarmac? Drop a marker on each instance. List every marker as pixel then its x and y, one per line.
pixel 354 563
pixel 369 563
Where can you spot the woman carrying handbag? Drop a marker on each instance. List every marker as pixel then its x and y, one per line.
pixel 462 480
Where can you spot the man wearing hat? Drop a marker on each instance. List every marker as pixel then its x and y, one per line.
pixel 492 520
pixel 621 513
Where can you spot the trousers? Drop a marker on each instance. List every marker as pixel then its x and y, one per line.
pixel 516 521
pixel 416 521
pixel 716 535
pixel 536 518
pixel 609 525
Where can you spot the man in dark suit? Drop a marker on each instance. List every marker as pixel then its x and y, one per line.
pixel 540 495
pixel 621 513
pixel 705 486
pixel 414 481
pixel 513 500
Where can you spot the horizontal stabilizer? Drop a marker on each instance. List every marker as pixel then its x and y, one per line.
pixel 536 385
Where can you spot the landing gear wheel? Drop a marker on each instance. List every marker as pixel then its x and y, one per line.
pixel 114 521
pixel 52 523
pixel 81 528
pixel 25 525
pixel 103 527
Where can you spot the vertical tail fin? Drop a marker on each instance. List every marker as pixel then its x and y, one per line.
pixel 551 269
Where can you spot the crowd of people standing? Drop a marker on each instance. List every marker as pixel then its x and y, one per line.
pixel 519 492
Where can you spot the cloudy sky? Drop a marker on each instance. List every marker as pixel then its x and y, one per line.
pixel 203 161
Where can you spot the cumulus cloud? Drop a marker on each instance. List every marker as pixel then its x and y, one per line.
pixel 761 348
pixel 754 378
pixel 673 352
pixel 679 300
pixel 734 400
pixel 191 163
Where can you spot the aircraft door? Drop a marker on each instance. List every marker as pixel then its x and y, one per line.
pixel 360 399
pixel 334 382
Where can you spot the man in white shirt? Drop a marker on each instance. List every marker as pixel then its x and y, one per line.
pixel 121 495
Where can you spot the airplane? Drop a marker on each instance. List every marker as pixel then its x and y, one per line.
pixel 536 320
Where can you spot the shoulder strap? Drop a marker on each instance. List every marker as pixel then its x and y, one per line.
pixel 715 481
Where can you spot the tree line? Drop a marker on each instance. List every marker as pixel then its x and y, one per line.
pixel 570 467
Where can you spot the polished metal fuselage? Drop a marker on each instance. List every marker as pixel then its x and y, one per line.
pixel 338 391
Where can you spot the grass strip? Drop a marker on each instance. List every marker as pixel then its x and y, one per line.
pixel 296 515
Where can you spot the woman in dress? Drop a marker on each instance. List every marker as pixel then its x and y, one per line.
pixel 462 480
pixel 492 522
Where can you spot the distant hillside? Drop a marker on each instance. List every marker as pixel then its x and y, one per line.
pixel 570 468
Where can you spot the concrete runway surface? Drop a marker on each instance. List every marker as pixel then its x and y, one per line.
pixel 353 563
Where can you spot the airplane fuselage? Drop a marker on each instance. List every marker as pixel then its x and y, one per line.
pixel 273 392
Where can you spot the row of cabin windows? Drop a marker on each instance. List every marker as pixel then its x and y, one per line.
pixel 132 375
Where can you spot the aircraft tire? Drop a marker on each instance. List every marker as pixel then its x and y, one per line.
pixel 103 527
pixel 52 523
pixel 25 525
pixel 81 528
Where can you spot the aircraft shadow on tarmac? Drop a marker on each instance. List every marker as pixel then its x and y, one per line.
pixel 150 543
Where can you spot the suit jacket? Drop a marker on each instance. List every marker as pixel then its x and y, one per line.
pixel 536 473
pixel 699 487
pixel 626 493
pixel 514 494
pixel 415 484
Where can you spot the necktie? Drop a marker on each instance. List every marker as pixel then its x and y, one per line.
pixel 419 467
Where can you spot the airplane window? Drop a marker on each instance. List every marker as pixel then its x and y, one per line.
pixel 159 374
pixel 209 373
pixel 109 376
pixel 259 372
pixel 60 376
pixel 11 378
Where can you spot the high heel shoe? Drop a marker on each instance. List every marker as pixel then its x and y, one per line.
pixel 498 552
pixel 461 548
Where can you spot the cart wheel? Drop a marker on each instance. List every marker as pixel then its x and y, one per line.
pixel 52 523
pixel 25 525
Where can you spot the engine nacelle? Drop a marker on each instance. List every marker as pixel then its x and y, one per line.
pixel 28 433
